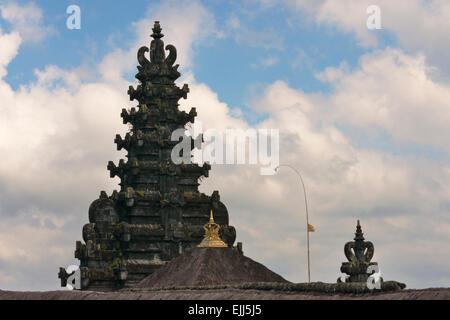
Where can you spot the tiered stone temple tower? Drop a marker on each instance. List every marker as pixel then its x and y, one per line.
pixel 158 212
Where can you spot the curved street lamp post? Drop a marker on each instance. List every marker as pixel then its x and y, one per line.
pixel 309 228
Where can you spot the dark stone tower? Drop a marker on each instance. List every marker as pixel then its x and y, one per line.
pixel 158 212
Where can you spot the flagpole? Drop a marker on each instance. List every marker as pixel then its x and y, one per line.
pixel 307 215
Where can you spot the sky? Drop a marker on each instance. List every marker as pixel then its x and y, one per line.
pixel 363 114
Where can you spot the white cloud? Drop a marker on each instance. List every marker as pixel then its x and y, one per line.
pixel 8 50
pixel 212 112
pixel 387 87
pixel 266 63
pixel 418 25
pixel 27 20
pixel 331 74
pixel 302 60
pixel 267 39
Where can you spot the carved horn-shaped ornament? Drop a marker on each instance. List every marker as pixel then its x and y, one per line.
pixel 370 251
pixel 143 61
pixel 349 252
pixel 170 60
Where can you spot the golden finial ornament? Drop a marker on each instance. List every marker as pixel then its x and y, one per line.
pixel 212 238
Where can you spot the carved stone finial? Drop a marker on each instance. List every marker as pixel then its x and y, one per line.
pixel 157 54
pixel 157 31
pixel 358 234
pixel 358 253
pixel 212 238
pixel 157 70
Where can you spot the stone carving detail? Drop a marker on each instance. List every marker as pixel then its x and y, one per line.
pixel 359 253
pixel 158 211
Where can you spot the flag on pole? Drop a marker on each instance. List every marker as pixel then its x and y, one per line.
pixel 311 228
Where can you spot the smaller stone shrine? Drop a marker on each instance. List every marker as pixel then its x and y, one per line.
pixel 359 253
